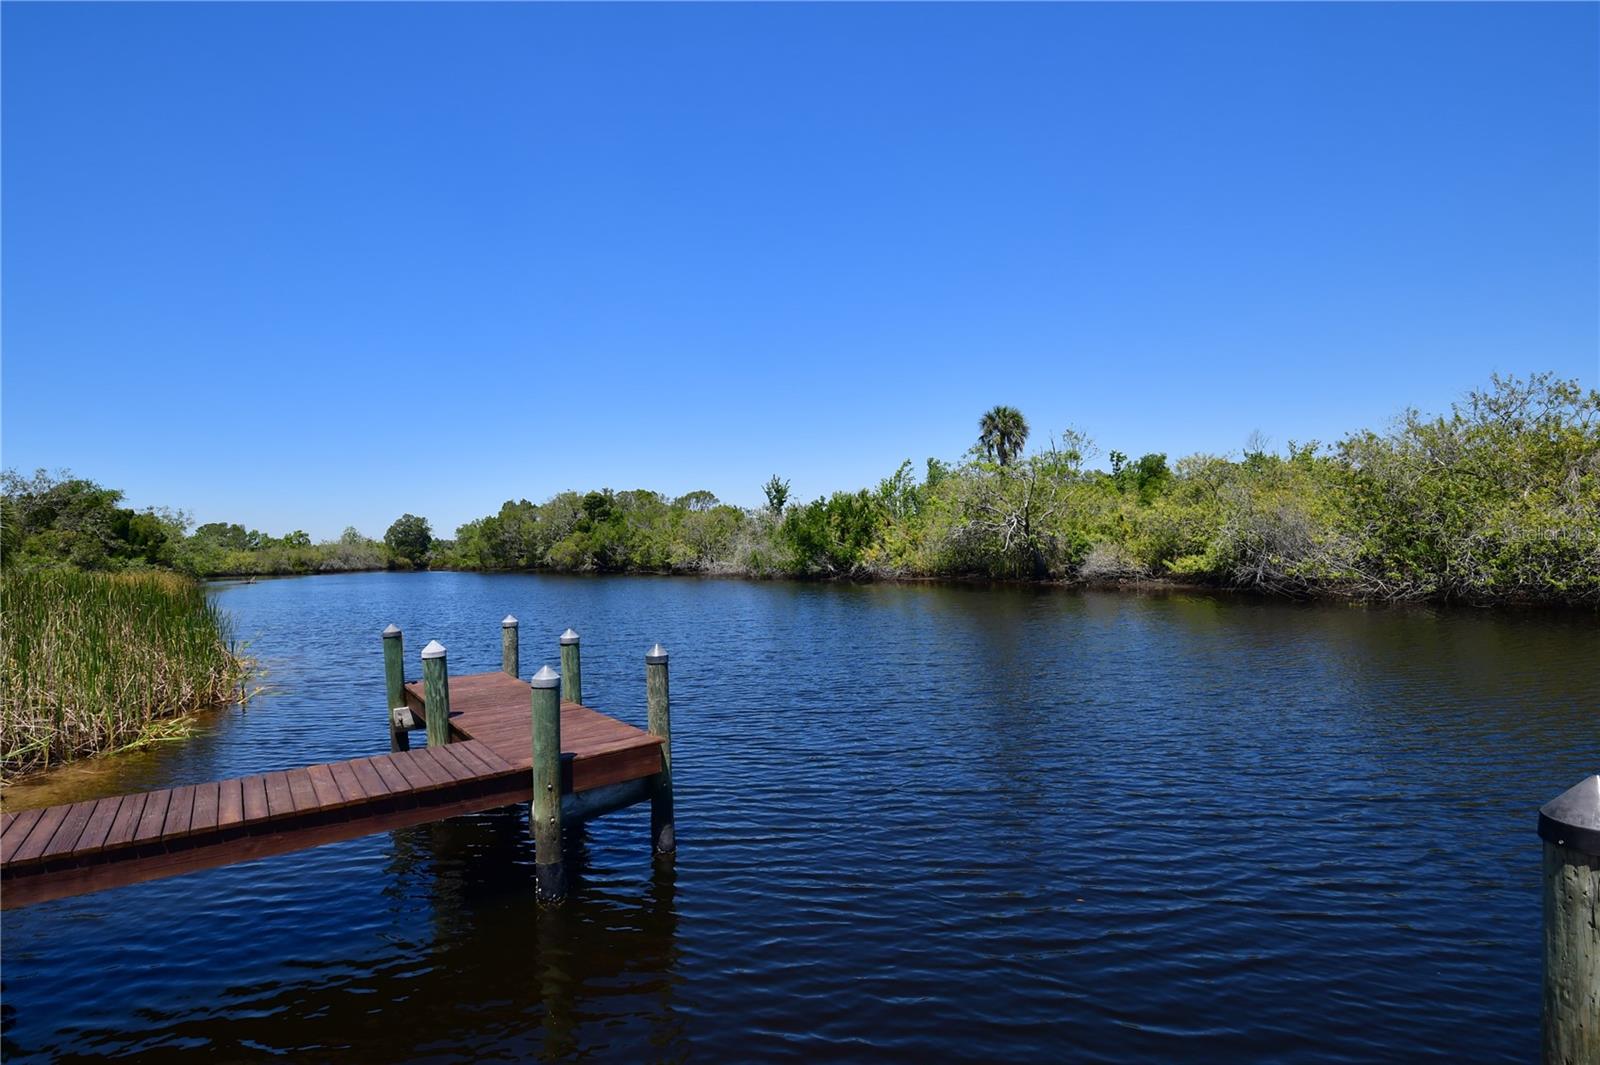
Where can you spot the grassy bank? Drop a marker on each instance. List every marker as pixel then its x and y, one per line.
pixel 96 661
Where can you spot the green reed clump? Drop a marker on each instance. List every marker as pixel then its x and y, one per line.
pixel 92 660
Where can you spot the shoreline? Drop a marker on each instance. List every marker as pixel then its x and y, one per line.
pixel 1130 585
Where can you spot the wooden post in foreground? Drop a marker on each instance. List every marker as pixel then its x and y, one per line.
pixel 394 677
pixel 662 834
pixel 571 669
pixel 508 645
pixel 550 871
pixel 1569 824
pixel 436 693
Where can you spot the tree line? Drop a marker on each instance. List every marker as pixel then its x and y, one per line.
pixel 1498 500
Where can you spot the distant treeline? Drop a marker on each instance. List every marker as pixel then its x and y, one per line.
pixel 1497 501
pixel 57 521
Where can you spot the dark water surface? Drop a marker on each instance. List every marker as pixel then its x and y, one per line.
pixel 915 824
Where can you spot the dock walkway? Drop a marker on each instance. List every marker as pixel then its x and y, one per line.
pixel 88 846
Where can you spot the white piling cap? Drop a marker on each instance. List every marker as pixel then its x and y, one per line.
pixel 568 637
pixel 656 656
pixel 508 622
pixel 546 678
pixel 392 630
pixel 435 649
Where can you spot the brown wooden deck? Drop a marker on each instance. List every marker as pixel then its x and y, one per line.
pixel 495 708
pixel 87 846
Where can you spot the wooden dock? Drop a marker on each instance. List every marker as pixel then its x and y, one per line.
pixel 88 846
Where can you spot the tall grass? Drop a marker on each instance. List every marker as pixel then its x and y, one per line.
pixel 93 660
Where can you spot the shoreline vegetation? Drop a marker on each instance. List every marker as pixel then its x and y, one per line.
pixel 108 638
pixel 1496 502
pixel 97 662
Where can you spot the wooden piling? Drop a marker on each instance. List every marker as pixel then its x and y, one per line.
pixel 394 676
pixel 1570 827
pixel 663 837
pixel 436 693
pixel 508 645
pixel 571 669
pixel 550 871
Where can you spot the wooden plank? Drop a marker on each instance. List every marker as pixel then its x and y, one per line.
pixel 154 816
pixel 628 764
pixel 405 764
pixel 393 779
pixel 205 807
pixel 429 762
pixel 65 841
pixel 501 764
pixel 469 755
pixel 254 796
pixel 371 782
pixel 100 822
pixel 134 867
pixel 230 802
pixel 322 783
pixel 127 820
pixel 279 802
pixel 348 783
pixel 179 812
pixel 459 771
pixel 17 830
pixel 39 836
pixel 301 792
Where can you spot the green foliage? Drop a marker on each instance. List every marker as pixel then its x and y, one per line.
pixel 54 521
pixel 409 539
pixel 777 493
pixel 1498 500
pixel 1146 478
pixel 833 536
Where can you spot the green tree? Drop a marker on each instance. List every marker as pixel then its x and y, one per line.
pixel 696 500
pixel 410 538
pixel 1002 434
pixel 777 492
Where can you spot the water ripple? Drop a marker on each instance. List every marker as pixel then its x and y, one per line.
pixel 915 822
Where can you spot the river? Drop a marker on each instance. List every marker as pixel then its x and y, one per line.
pixel 915 822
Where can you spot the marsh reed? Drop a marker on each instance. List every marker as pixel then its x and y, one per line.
pixel 97 661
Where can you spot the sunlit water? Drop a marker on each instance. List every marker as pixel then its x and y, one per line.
pixel 915 824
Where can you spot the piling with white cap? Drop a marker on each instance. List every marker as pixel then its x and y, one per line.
pixel 1569 824
pixel 509 650
pixel 662 834
pixel 394 677
pixel 571 669
pixel 436 693
pixel 550 871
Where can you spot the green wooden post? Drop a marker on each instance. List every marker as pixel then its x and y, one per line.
pixel 508 645
pixel 662 834
pixel 550 871
pixel 436 693
pixel 1569 824
pixel 394 676
pixel 571 669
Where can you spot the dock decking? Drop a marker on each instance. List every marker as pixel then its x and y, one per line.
pixel 124 839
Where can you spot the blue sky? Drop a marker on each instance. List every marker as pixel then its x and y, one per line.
pixel 301 266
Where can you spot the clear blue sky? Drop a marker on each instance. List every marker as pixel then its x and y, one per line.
pixel 303 265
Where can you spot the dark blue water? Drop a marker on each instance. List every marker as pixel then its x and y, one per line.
pixel 915 823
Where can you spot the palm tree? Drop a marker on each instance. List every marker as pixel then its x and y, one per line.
pixel 1002 432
